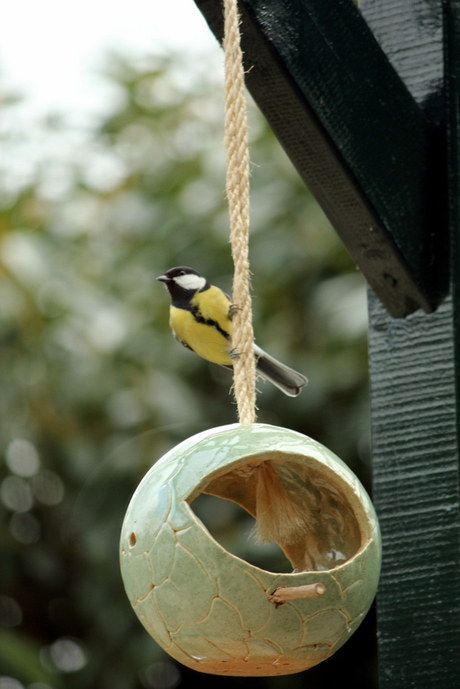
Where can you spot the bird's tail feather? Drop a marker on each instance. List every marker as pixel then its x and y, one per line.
pixel 286 379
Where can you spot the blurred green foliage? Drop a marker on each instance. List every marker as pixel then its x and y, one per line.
pixel 93 387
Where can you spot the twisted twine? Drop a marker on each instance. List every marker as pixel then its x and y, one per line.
pixel 237 187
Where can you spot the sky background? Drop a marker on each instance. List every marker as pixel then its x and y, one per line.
pixel 54 52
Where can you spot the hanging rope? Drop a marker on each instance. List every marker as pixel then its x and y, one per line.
pixel 236 143
pixel 277 519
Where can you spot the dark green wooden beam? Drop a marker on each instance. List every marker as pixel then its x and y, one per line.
pixel 452 24
pixel 414 365
pixel 356 136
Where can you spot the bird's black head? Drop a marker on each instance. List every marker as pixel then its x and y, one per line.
pixel 183 282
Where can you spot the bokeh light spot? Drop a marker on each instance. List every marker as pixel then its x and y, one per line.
pixel 161 675
pixel 47 487
pixel 22 458
pixel 10 612
pixel 25 528
pixel 10 683
pixel 67 655
pixel 16 494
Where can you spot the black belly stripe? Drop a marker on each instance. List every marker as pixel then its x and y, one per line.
pixel 196 313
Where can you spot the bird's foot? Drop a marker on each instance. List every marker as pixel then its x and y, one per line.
pixel 234 354
pixel 233 308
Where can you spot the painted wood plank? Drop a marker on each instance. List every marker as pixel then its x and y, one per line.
pixel 355 134
pixel 415 432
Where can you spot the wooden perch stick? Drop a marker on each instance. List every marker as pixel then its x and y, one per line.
pixel 283 594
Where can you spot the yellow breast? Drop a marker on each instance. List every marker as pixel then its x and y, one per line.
pixel 203 328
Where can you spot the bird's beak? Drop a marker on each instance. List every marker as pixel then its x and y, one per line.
pixel 162 278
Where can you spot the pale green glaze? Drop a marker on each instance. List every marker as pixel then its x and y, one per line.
pixel 208 608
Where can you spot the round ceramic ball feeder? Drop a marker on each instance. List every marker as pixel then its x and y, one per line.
pixel 216 613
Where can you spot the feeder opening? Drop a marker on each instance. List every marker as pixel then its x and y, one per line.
pixel 303 506
pixel 235 529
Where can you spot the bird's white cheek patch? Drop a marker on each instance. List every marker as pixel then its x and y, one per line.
pixel 193 282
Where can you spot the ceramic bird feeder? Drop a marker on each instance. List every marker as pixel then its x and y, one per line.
pixel 216 613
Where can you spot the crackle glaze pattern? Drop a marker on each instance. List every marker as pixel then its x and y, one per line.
pixel 209 609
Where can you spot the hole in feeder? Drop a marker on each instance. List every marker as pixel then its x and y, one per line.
pixel 300 504
pixel 132 539
pixel 235 529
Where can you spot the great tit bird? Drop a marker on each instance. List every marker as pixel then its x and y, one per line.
pixel 201 319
